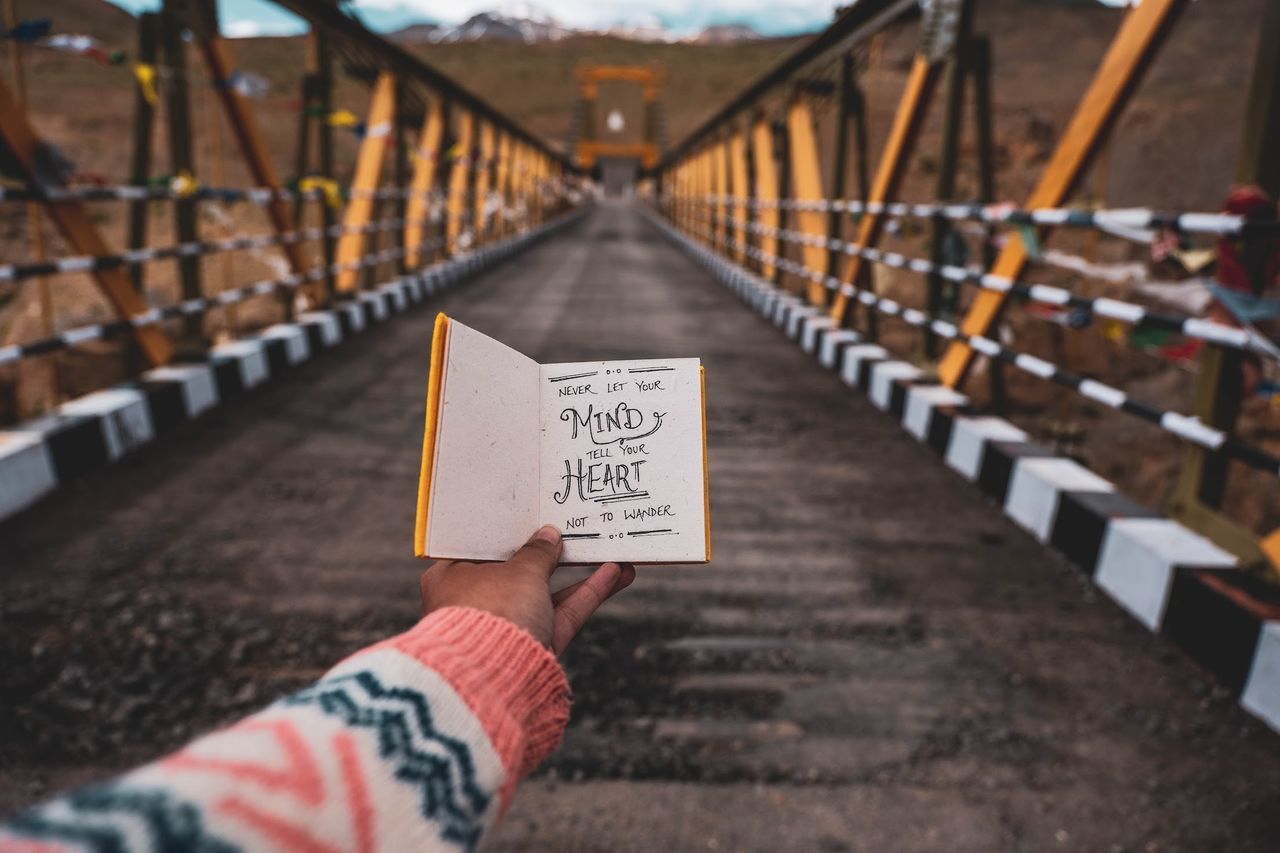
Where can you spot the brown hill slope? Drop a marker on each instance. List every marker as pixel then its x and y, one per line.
pixel 535 83
pixel 96 18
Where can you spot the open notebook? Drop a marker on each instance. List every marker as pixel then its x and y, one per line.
pixel 613 453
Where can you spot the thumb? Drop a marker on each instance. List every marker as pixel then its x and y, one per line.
pixel 541 553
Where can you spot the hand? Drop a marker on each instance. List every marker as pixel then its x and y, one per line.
pixel 519 590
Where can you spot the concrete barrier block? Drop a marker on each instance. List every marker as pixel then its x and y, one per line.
pixel 327 329
pixel 243 360
pixel 883 375
pixel 968 438
pixel 856 358
pixel 375 305
pixel 26 471
pixel 1262 691
pixel 813 330
pixel 123 414
pixel 1139 558
pixel 199 389
pixel 1036 486
pixel 796 317
pixel 830 350
pixel 296 346
pixel 922 400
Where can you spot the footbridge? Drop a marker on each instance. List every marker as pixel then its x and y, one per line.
pixel 929 624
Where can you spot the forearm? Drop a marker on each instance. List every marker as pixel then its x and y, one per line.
pixel 415 743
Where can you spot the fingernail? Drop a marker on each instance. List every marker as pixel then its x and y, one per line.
pixel 547 533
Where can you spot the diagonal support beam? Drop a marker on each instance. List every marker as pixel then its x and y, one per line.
pixel 720 189
pixel 520 183
pixel 239 115
pixel 73 221
pixel 907 122
pixel 1270 546
pixel 806 185
pixel 680 201
pixel 423 181
pixel 484 176
pixel 1144 29
pixel 741 190
pixel 708 178
pixel 766 191
pixel 373 148
pixel 702 185
pixel 459 171
pixel 502 181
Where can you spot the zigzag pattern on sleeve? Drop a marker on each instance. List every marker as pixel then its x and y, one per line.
pixel 415 743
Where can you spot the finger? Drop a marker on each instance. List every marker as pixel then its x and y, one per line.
pixel 541 553
pixel 625 579
pixel 574 611
pixel 432 573
pixel 561 594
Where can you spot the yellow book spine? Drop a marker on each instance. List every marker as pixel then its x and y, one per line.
pixel 706 475
pixel 434 385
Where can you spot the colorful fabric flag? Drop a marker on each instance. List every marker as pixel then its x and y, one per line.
pixel 27 32
pixel 1114 330
pixel 343 118
pixel 146 75
pixel 81 45
pixel 184 184
pixel 1074 318
pixel 249 85
pixel 1246 307
pixel 1185 351
pixel 1030 241
pixel 328 186
pixel 1148 337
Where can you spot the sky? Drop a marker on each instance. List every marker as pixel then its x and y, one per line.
pixel 770 17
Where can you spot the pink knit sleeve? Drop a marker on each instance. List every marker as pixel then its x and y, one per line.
pixel 513 684
pixel 414 743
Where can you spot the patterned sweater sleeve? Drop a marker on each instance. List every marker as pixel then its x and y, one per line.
pixel 415 743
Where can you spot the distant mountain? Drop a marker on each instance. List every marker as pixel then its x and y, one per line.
pixel 530 28
pixel 726 34
pixel 644 28
pixel 423 33
pixel 529 25
pixel 486 26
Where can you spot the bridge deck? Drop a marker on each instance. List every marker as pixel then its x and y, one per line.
pixel 875 660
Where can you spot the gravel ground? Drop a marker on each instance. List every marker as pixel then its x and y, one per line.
pixel 875 659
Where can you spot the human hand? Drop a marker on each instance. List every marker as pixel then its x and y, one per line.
pixel 519 590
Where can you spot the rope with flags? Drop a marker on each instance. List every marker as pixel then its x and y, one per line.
pixel 1130 313
pixel 1182 426
pixel 181 187
pixel 1217 224
pixel 103 331
pixel 196 248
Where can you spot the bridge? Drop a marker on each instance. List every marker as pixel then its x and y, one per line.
pixel 923 628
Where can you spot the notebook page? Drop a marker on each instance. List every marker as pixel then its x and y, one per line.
pixel 622 460
pixel 484 502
